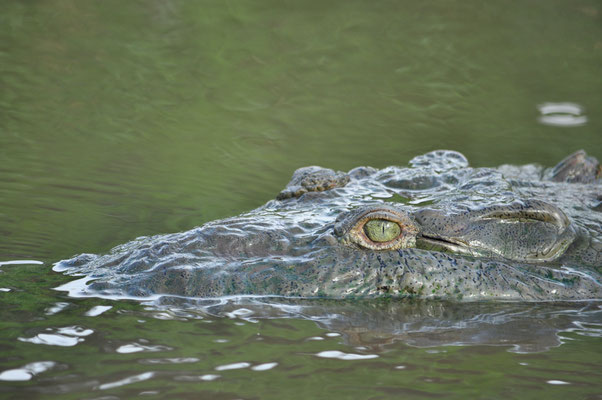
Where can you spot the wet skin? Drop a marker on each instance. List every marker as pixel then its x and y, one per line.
pixel 438 229
pixel 529 231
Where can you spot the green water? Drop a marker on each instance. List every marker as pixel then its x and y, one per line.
pixel 121 119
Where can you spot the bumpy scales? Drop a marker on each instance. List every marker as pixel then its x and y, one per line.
pixel 435 229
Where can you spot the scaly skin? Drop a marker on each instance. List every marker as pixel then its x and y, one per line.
pixel 464 234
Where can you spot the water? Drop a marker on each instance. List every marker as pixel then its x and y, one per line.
pixel 121 119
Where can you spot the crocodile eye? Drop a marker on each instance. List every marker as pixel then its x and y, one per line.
pixel 377 228
pixel 381 230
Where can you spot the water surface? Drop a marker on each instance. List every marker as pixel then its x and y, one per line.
pixel 121 119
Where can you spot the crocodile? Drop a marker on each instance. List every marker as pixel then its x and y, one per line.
pixel 436 229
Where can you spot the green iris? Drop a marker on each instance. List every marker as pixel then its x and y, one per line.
pixel 381 230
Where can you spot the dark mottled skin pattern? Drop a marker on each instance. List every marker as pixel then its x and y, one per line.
pixel 511 233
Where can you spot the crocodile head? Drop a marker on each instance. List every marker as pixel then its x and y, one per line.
pixel 437 229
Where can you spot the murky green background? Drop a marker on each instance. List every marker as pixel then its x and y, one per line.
pixel 120 119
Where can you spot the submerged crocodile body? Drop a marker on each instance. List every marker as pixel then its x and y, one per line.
pixel 436 229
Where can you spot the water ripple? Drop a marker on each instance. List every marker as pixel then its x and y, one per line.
pixel 132 379
pixel 97 310
pixel 264 367
pixel 561 114
pixel 64 337
pixel 26 372
pixel 345 356
pixel 238 365
pixel 21 262
pixel 136 347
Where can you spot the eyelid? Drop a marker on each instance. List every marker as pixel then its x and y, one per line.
pixel 378 214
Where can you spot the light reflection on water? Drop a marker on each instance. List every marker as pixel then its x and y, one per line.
pixel 65 337
pixel 129 380
pixel 372 324
pixel 97 310
pixel 345 356
pixel 137 347
pixel 26 372
pixel 368 337
pixel 562 114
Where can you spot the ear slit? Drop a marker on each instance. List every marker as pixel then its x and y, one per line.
pixel 532 211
